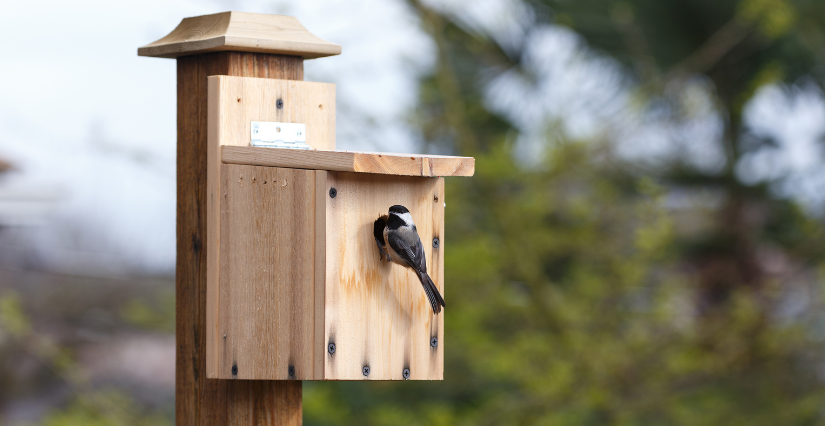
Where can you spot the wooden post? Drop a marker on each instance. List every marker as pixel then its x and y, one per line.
pixel 233 44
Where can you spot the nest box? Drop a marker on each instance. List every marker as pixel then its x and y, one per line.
pixel 295 287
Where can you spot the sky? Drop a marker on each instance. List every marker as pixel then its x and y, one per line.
pixel 91 126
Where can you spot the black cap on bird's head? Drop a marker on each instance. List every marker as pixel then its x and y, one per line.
pixel 397 209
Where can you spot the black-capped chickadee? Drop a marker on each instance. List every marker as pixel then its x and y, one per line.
pixel 397 239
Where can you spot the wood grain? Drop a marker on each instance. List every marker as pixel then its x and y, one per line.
pixel 198 400
pixel 377 314
pixel 436 272
pixel 239 101
pixel 346 161
pixel 320 344
pixel 242 32
pixel 266 307
pixel 233 104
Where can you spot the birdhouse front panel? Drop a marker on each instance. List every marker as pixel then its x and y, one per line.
pixel 376 313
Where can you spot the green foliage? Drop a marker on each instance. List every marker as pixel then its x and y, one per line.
pixel 576 293
pixel 104 408
pixel 158 315
pixel 12 319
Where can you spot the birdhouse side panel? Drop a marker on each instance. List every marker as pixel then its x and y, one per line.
pixel 266 300
pixel 378 322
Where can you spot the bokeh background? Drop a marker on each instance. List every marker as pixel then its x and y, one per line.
pixel 642 243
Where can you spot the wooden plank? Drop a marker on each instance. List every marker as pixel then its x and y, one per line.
pixel 266 306
pixel 376 313
pixel 199 401
pixel 347 161
pixel 320 342
pixel 233 104
pixel 436 353
pixel 242 32
pixel 241 101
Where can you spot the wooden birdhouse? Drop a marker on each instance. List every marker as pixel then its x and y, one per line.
pixel 296 288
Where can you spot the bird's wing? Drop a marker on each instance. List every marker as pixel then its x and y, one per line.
pixel 412 254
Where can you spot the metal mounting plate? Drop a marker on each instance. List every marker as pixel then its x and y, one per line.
pixel 278 135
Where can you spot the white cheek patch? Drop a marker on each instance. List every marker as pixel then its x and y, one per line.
pixel 407 218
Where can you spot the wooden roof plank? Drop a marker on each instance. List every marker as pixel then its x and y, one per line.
pixel 349 161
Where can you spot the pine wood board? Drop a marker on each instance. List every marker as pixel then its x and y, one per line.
pixel 348 161
pixel 232 104
pixel 376 313
pixel 239 31
pixel 238 102
pixel 267 287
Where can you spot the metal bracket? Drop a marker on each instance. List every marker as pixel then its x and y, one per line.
pixel 279 135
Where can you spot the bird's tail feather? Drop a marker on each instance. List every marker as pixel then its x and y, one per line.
pixel 432 292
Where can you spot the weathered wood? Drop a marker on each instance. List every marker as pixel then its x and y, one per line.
pixel 240 32
pixel 266 310
pixel 377 314
pixel 320 344
pixel 346 161
pixel 233 104
pixel 198 400
pixel 239 101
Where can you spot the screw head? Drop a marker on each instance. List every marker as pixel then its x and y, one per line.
pixel 279 103
pixel 406 374
pixel 333 192
pixel 331 348
pixel 434 342
pixel 436 243
pixel 291 371
pixel 234 370
pixel 366 370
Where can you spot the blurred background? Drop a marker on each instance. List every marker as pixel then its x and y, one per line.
pixel 642 242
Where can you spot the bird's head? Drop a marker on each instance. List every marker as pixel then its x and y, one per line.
pixel 399 210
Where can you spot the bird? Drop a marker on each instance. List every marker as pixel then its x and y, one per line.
pixel 398 241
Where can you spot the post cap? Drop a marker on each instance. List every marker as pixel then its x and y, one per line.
pixel 243 32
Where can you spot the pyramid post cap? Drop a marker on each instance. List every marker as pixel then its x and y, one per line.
pixel 240 32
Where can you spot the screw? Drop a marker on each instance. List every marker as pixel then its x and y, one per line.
pixel 331 348
pixel 333 192
pixel 434 342
pixel 291 371
pixel 234 370
pixel 366 370
pixel 436 243
pixel 279 104
pixel 406 374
